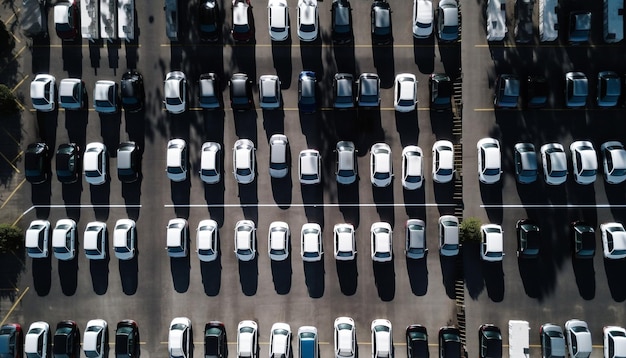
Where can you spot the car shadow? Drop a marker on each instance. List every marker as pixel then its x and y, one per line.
pixel 273 122
pixel 494 280
pixel 444 194
pixel 180 192
pixel 42 275
pixel 424 54
pixel 385 280
pixel 129 273
pixel 131 192
pixel 614 274
pixel 491 194
pixel 281 57
pixel 212 276
pixel 585 278
pixel 450 273
pixel 282 191
pixel 313 199
pixel 100 198
pixel 472 269
pixel 383 198
pixel 249 276
pixel 248 199
pixel 407 127
pixel 385 65
pixel 99 270
pixel 414 202
pixel 68 274
pixel 311 55
pixel 180 268
pixel 314 278
pixel 214 197
pixel 418 275
pixel 348 198
pixel 281 275
pixel 348 274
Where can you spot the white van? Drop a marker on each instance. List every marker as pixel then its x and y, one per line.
pixel 496 20
pixel 108 19
pixel 613 21
pixel 519 346
pixel 89 16
pixel 548 20
pixel 126 19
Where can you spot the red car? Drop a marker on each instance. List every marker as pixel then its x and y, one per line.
pixel 66 19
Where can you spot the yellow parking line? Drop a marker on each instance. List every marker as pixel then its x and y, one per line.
pixel 17 156
pixel 14 57
pixel 10 136
pixel 19 83
pixel 14 305
pixel 13 15
pixel 12 193
pixel 10 163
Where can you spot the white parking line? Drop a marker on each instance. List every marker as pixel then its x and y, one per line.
pixel 56 206
pixel 298 205
pixel 552 206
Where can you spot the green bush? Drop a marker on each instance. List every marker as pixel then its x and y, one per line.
pixel 11 238
pixel 8 103
pixel 470 229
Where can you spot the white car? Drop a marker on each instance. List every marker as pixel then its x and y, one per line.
pixel 124 237
pixel 36 239
pixel 105 97
pixel 412 167
pixel 280 340
pixel 344 242
pixel 448 235
pixel 423 16
pixel 346 170
pixel 311 244
pixel 492 244
pixel 381 165
pixel 381 242
pixel 96 338
pixel 489 161
pixel 308 26
pixel 310 167
pixel 245 240
pixel 177 237
pixel 270 96
pixel 175 89
pixel 64 239
pixel 382 338
pixel 43 92
pixel 176 160
pixel 206 240
pixel 405 92
pixel 613 162
pixel 72 94
pixel 279 156
pixel 37 340
pixel 179 339
pixel 443 161
pixel 244 161
pixel 345 337
pixel 95 163
pixel 613 240
pixel 415 244
pixel 278 241
pixel 95 240
pixel 614 339
pixel 584 162
pixel 578 338
pixel 554 163
pixel 210 160
pixel 247 339
pixel 278 19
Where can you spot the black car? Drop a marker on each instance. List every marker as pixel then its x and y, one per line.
pixel 341 31
pixel 66 340
pixel 416 341
pixel 489 341
pixel 528 239
pixel 583 240
pixel 215 343
pixel 381 23
pixel 209 21
pixel 450 342
pixel 37 163
pixel 132 91
pixel 11 341
pixel 127 339
pixel 440 92
pixel 128 158
pixel 210 94
pixel 536 91
pixel 67 163
pixel 241 92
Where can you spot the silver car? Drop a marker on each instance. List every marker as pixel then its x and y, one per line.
pixel 310 167
pixel 415 244
pixel 244 161
pixel 210 162
pixel 279 156
pixel 412 167
pixel 175 89
pixel 64 239
pixel 269 92
pixel 177 236
pixel 124 239
pixel 106 97
pixel 346 171
pixel 311 244
pixel 381 165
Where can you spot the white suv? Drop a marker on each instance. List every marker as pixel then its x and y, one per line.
pixel 43 92
pixel 95 166
pixel 247 339
pixel 443 161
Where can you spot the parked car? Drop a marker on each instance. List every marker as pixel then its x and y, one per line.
pixel 525 163
pixel 244 161
pixel 346 169
pixel 345 337
pixel 489 341
pixel 368 91
pixel 448 235
pixel 528 239
pixel 270 96
pixel 68 163
pixel 132 91
pixel 179 339
pixel 72 94
pixel 106 97
pixel 341 23
pixel 36 239
pixel 614 339
pixel 209 21
pixel 127 339
pixel 416 341
pixel 175 89
pixel 583 240
pixel 243 26
pixel 450 342
pixel 280 340
pixel 37 163
pixel 278 241
pixel 247 339
pixel 215 342
pixel 381 23
pixel 492 244
pixel 576 90
pixel 613 240
pixel 381 245
pixel 308 343
pixel 311 244
pixel 554 163
pixel 37 340
pixel 552 341
pixel 415 239
pixel 578 338
pixel 209 91
pixel 609 89
pixel 308 18
pixel 507 91
pixel 382 338
pixel 43 91
pixel 124 239
pixel 343 91
pixel 440 92
pixel 64 239
pixel 95 239
pixel 412 167
pixel 177 238
pixel 443 161
pixel 448 21
pixel 128 162
pixel 177 159
pixel 95 163
pixel 381 165
pixel 613 162
pixel 11 340
pixel 207 244
pixel 489 161
pixel 240 87
pixel 66 19
pixel 579 27
pixel 344 242
pixel 96 339
pixel 537 90
pixel 66 340
pixel 279 156
pixel 245 240
pixel 405 91
pixel 307 92
pixel 584 162
pixel 211 162
pixel 278 20
pixel 310 167
pixel 423 17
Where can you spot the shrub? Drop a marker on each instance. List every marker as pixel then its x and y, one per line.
pixel 8 103
pixel 470 229
pixel 11 238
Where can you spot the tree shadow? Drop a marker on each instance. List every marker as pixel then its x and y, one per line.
pixel 11 266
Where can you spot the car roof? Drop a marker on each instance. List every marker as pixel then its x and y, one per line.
pixel 309 161
pixel 240 13
pixel 307 12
